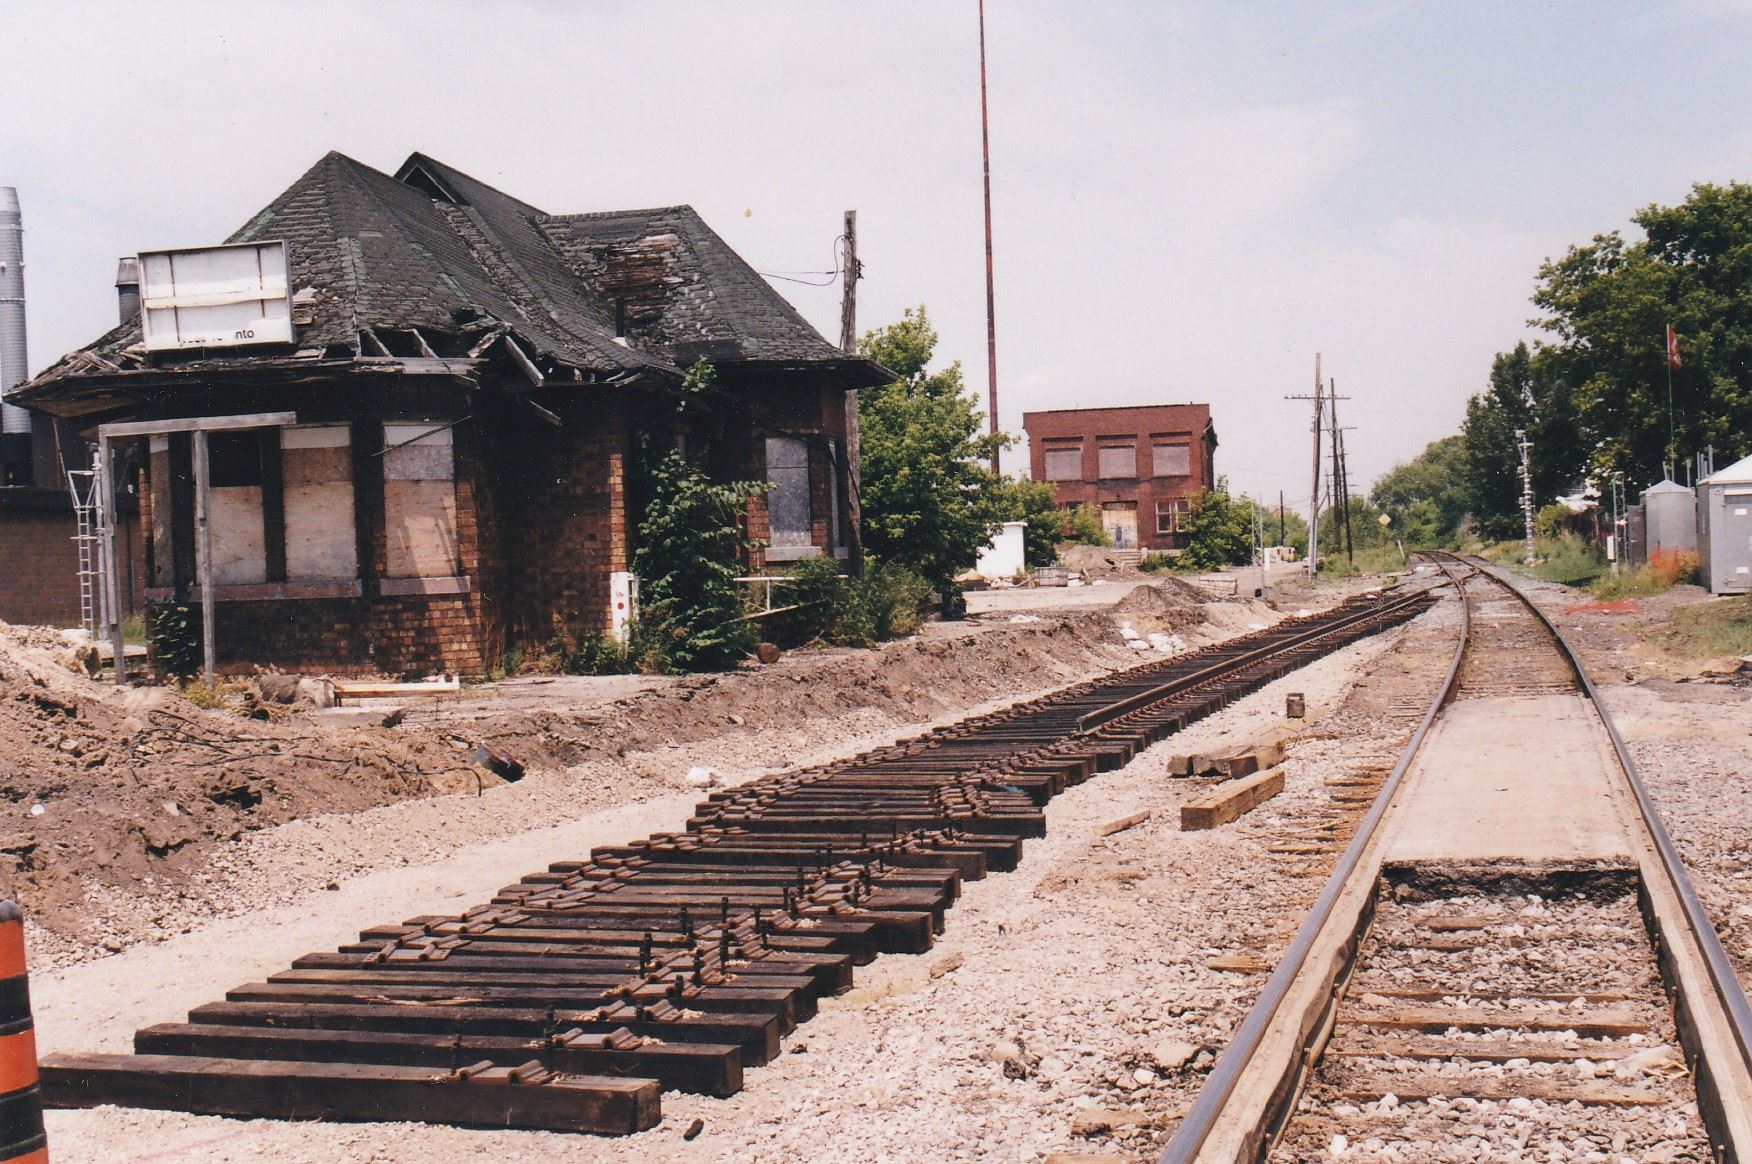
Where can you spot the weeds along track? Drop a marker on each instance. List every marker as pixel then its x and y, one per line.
pixel 1494 1008
pixel 579 993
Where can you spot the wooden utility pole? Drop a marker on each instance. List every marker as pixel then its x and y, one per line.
pixel 985 143
pixel 1340 497
pixel 1314 490
pixel 849 286
pixel 849 344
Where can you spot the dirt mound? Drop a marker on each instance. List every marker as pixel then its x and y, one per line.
pixel 917 679
pixel 1168 605
pixel 106 786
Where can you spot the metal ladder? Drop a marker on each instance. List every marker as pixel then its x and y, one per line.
pixel 88 544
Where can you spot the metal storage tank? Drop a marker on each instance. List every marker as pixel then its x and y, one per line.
pixel 1724 528
pixel 1670 517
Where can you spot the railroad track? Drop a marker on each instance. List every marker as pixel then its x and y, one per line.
pixel 1508 962
pixel 577 994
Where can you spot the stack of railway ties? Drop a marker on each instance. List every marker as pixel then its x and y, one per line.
pixel 576 995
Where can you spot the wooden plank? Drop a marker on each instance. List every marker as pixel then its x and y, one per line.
pixel 1435 1019
pixel 757 1035
pixel 142 428
pixel 350 1091
pixel 1123 823
pixel 1225 803
pixel 1413 1088
pixel 702 1068
pixel 1480 1050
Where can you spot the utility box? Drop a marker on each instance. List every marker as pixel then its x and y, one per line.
pixel 623 603
pixel 1724 529
pixel 1670 518
pixel 1005 556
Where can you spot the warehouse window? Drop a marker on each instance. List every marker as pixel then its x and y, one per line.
pixel 1171 460
pixel 1064 462
pixel 316 466
pixel 1114 460
pixel 419 500
pixel 788 510
pixel 1172 515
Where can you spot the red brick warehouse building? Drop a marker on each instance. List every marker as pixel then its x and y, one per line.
pixel 1140 466
pixel 475 383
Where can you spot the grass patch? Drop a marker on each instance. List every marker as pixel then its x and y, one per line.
pixel 1565 559
pixel 1367 560
pixel 1721 626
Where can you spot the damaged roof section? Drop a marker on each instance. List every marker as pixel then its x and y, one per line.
pixel 434 265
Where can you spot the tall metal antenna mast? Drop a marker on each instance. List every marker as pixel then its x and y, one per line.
pixel 985 144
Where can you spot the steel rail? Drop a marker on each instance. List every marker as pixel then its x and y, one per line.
pixel 1721 970
pixel 1118 709
pixel 1219 1086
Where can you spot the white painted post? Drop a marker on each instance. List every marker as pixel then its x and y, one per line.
pixel 204 553
pixel 112 590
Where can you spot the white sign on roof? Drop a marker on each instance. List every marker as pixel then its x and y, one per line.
pixel 215 297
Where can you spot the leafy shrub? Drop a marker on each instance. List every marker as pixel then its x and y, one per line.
pixel 596 654
pixel 1084 528
pixel 1675 566
pixel 1566 559
pixel 1155 562
pixel 887 602
pixel 204 697
pixel 820 597
pixel 173 638
pixel 690 552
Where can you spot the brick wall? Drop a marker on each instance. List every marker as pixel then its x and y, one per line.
pixel 1180 423
pixel 39 564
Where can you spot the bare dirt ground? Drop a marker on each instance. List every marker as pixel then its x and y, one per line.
pixel 1069 1004
pixel 135 815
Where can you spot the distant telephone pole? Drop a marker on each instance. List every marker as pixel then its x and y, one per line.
pixel 985 145
pixel 1314 492
pixel 849 344
pixel 1526 446
pixel 1340 478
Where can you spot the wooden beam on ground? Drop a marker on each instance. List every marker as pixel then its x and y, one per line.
pixel 1123 823
pixel 484 1095
pixel 1226 802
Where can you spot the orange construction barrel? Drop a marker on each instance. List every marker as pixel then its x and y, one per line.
pixel 21 1107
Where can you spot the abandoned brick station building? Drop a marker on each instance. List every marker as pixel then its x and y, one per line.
pixel 474 380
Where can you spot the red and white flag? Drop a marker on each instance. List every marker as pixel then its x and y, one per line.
pixel 1673 349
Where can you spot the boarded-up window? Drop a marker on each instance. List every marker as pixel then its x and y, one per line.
pixel 1064 464
pixel 316 466
pixel 1171 460
pixel 234 507
pixel 1117 461
pixel 787 463
pixel 419 501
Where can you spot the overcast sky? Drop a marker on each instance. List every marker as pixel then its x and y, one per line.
pixel 1191 199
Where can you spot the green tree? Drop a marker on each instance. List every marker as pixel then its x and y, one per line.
pixel 1425 498
pixel 929 500
pixel 1219 532
pixel 1035 502
pixel 1608 305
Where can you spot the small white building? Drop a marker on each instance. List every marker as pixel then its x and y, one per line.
pixel 1005 557
pixel 1724 528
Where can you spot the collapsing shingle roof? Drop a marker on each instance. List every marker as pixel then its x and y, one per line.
pixel 456 265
